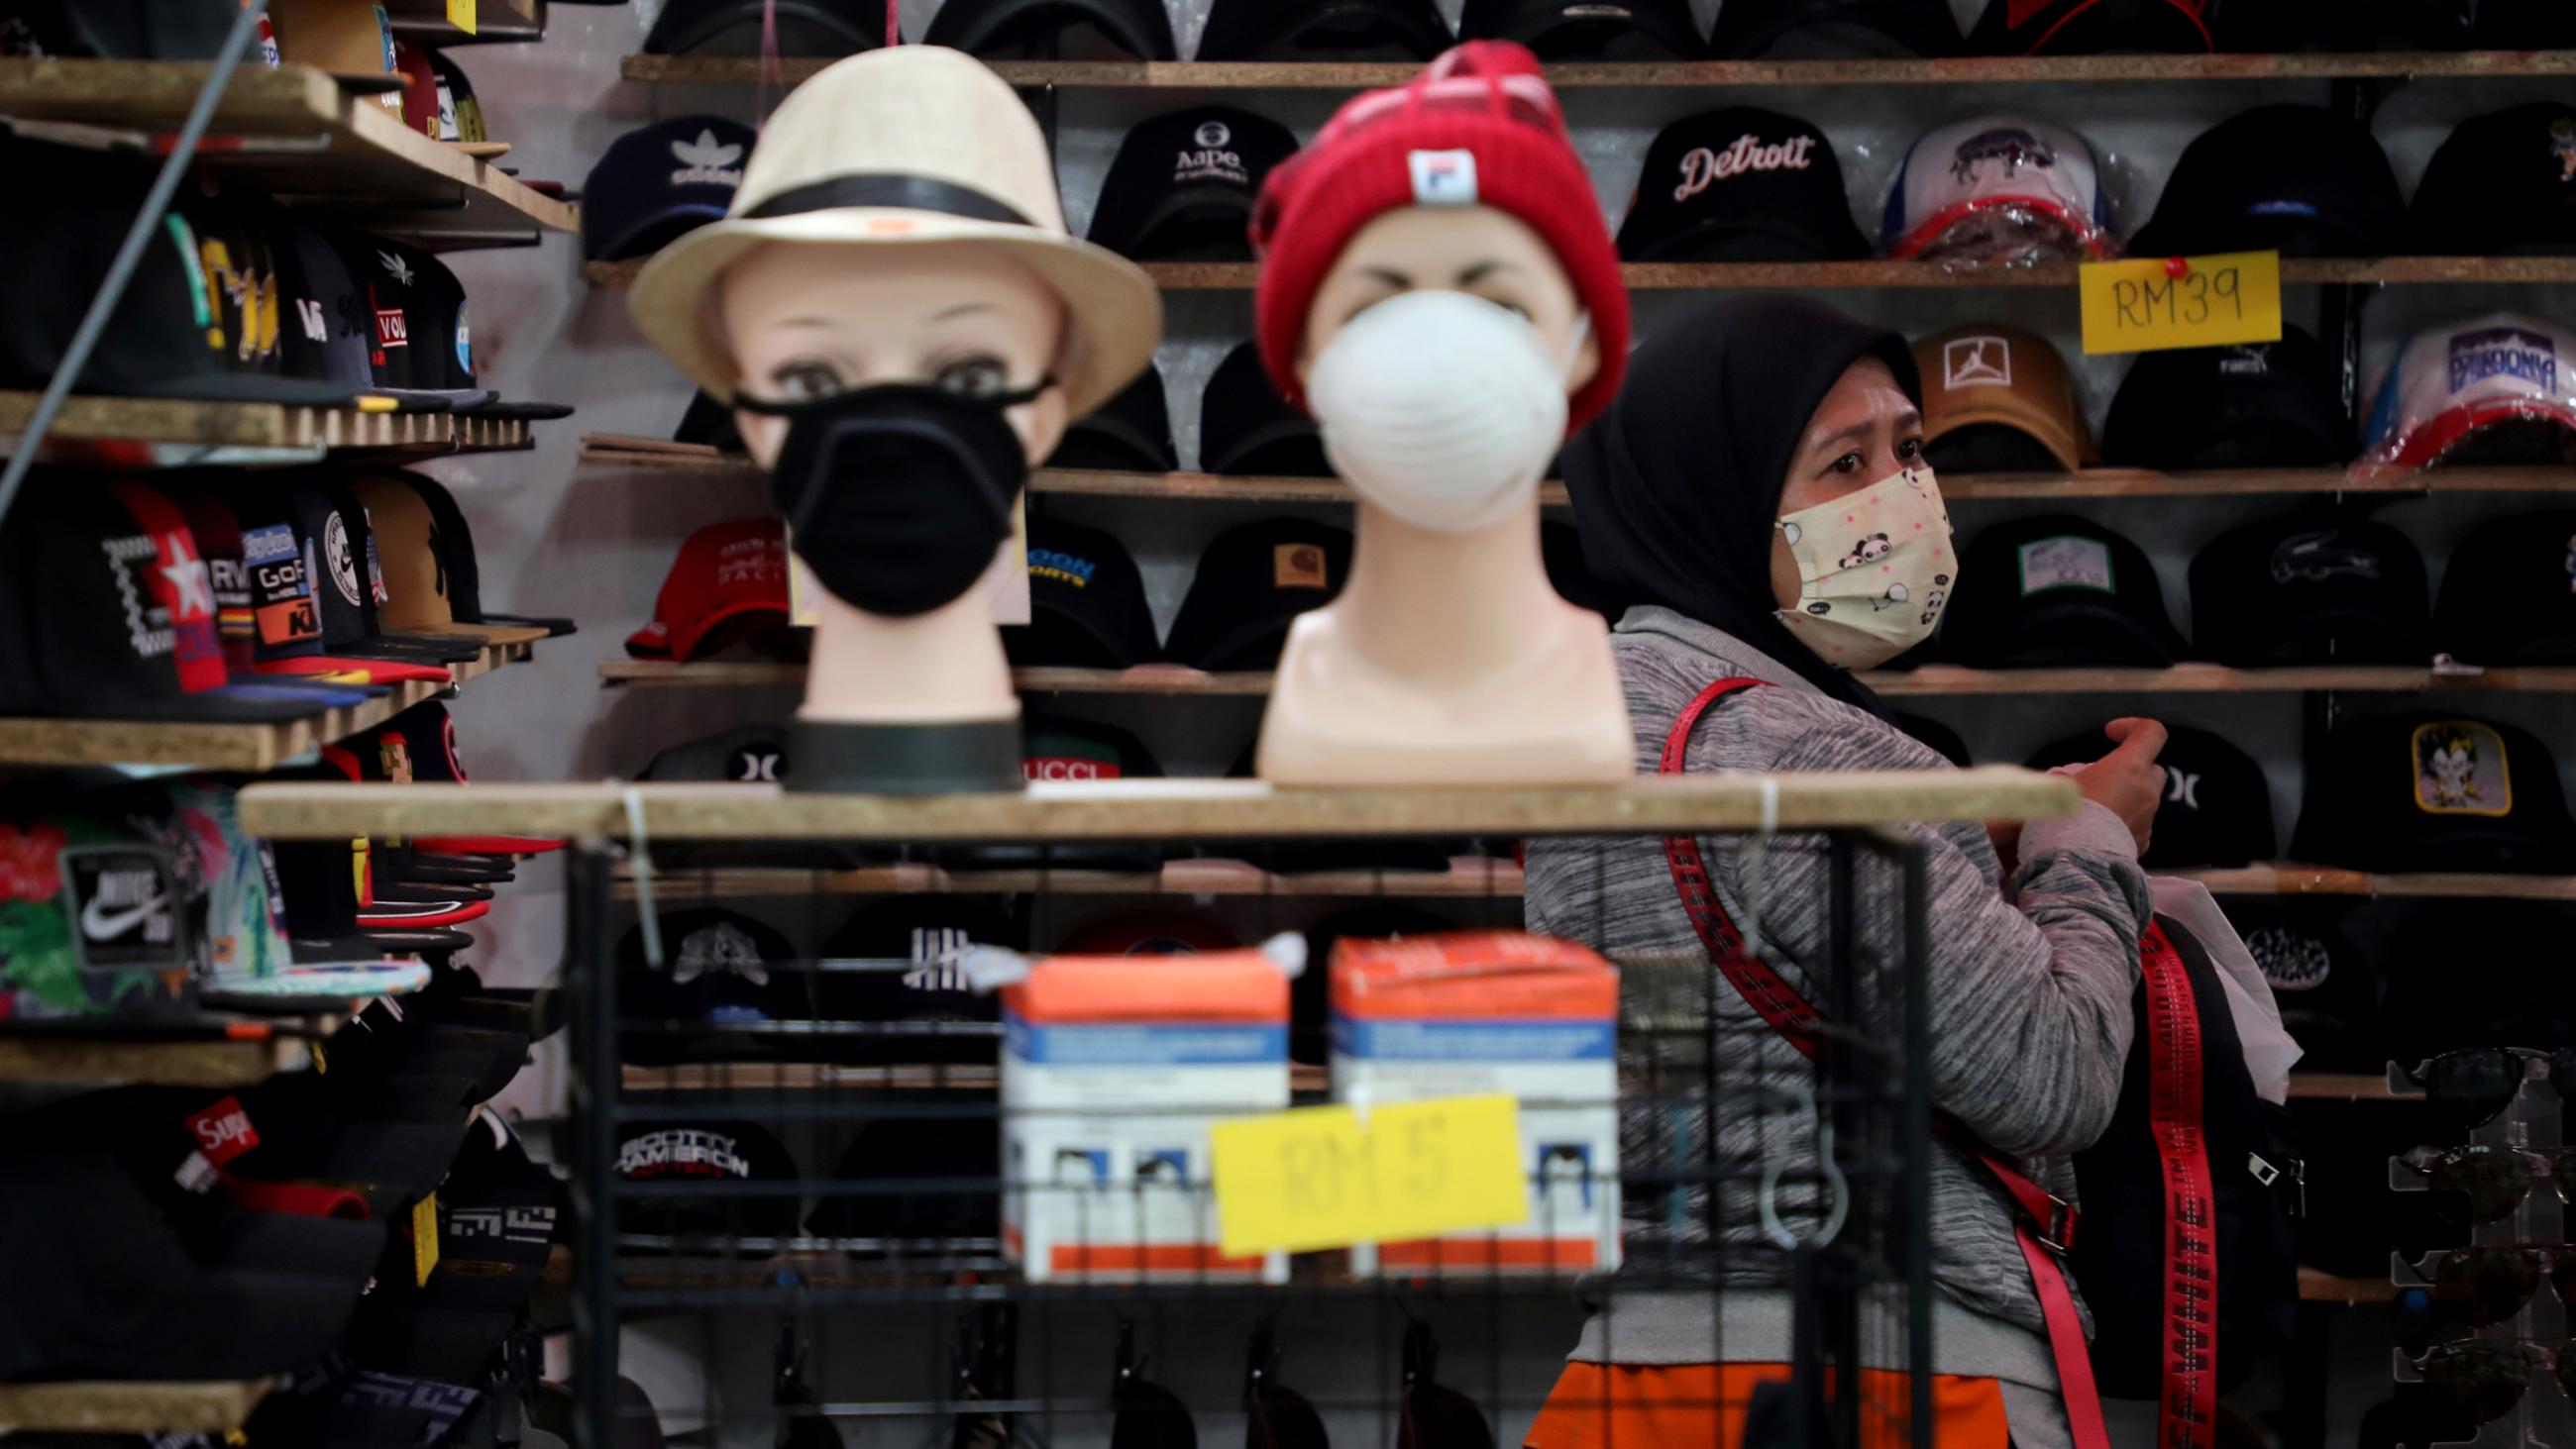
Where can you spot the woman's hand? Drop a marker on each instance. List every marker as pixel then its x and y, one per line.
pixel 2128 780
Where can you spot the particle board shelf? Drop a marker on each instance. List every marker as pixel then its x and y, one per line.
pixel 248 1052
pixel 823 1077
pixel 1168 810
pixel 127 431
pixel 2324 880
pixel 1970 70
pixel 131 1407
pixel 293 132
pixel 1468 878
pixel 249 748
pixel 2319 1286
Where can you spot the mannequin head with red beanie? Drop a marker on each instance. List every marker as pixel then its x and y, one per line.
pixel 1439 289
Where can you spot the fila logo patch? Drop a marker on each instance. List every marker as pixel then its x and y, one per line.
pixel 1702 166
pixel 1443 178
pixel 707 162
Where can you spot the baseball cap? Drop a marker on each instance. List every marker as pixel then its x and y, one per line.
pixel 1560 551
pixel 2304 181
pixel 418 342
pixel 428 736
pixel 746 754
pixel 733 27
pixel 2056 591
pixel 1086 602
pixel 96 923
pixel 419 87
pixel 1558 30
pixel 2217 808
pixel 2509 595
pixel 1248 429
pixel 1182 185
pixel 1740 184
pixel 1323 30
pixel 1057 748
pixel 217 530
pixel 1147 933
pixel 453 538
pixel 2498 388
pixel 668 1157
pixel 1834 29
pixel 460 114
pixel 1130 433
pixel 360 534
pixel 328 328
pixel 1252 581
pixel 2475 795
pixel 317 887
pixel 657 181
pixel 248 963
pixel 720 969
pixel 2504 182
pixel 406 535
pixel 2252 405
pixel 1998 399
pixel 2325 987
pixel 727 586
pixel 1146 1415
pixel 317 1128
pixel 2086 27
pixel 903 1156
pixel 127 30
pixel 2313 587
pixel 989 28
pixel 1935 736
pixel 351 42
pixel 862 982
pixel 1998 187
pixel 2486 24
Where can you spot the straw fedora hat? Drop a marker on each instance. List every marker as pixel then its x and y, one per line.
pixel 913 145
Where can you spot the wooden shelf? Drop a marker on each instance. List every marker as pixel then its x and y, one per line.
pixel 1971 70
pixel 2341 1087
pixel 131 1408
pixel 249 748
pixel 2319 1286
pixel 253 1053
pixel 294 133
pixel 1468 878
pixel 178 432
pixel 1928 681
pixel 494 20
pixel 820 1077
pixel 1168 810
pixel 2325 880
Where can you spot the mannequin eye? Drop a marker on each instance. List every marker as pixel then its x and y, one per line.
pixel 806 379
pixel 977 376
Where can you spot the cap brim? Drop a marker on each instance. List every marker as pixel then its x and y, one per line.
pixel 414 915
pixel 377 671
pixel 500 634
pixel 2452 427
pixel 309 990
pixel 533 412
pixel 2073 633
pixel 2030 422
pixel 229 705
pixel 1189 203
pixel 2097 243
pixel 684 642
pixel 1741 239
pixel 445 647
pixel 1269 435
pixel 250 387
pixel 1132 448
pixel 1116 311
pixel 552 627
pixel 487 844
pixel 649 232
pixel 314 686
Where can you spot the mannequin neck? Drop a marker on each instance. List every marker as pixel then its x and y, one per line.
pixel 1446 605
pixel 946 664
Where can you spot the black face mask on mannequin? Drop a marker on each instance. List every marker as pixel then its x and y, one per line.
pixel 897 495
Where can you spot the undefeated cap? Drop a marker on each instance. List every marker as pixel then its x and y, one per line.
pixel 2509 595
pixel 97 923
pixel 1998 399
pixel 2217 808
pixel 1323 30
pixel 2253 405
pixel 2499 389
pixel 1031 27
pixel 895 963
pixel 719 969
pixel 2314 587
pixel 733 27
pixel 658 181
pixel 1966 185
pixel 1086 602
pixel 669 1157
pixel 1182 185
pixel 2085 27
pixel 2057 591
pixel 1252 581
pixel 1559 30
pixel 2503 182
pixel 1834 29
pixel 727 586
pixel 1740 185
pixel 1130 433
pixel 2426 792
pixel 2304 181
pixel 406 534
pixel 1247 429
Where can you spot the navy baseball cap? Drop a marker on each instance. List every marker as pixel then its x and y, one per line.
pixel 2253 405
pixel 1086 602
pixel 2504 182
pixel 2304 181
pixel 658 181
pixel 2432 792
pixel 1182 185
pixel 1740 184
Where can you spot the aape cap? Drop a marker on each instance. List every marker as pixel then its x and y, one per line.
pixel 1575 30
pixel 2252 405
pixel 1323 30
pixel 1252 582
pixel 2304 181
pixel 1012 27
pixel 2503 182
pixel 2057 591
pixel 2501 387
pixel 728 584
pixel 658 181
pixel 2085 27
pixel 2217 808
pixel 2313 587
pixel 1999 399
pixel 733 27
pixel 1834 29
pixel 2509 595
pixel 1130 433
pixel 1740 184
pixel 1182 185
pixel 2432 792
pixel 2039 176
pixel 1246 428
pixel 1086 602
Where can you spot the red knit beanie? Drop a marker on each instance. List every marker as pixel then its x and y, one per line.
pixel 1387 149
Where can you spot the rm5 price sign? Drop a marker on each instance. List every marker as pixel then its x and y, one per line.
pixel 1315 1177
pixel 2150 304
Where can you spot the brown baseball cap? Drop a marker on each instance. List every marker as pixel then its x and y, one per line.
pixel 407 551
pixel 2001 381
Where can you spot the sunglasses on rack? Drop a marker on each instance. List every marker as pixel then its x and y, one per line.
pixel 2492 1374
pixel 2496 1180
pixel 2493 1283
pixel 2472 1087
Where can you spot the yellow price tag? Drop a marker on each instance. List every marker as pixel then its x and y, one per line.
pixel 2140 306
pixel 460 13
pixel 424 1239
pixel 1313 1177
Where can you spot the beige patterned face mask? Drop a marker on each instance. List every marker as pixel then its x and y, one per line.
pixel 1875 569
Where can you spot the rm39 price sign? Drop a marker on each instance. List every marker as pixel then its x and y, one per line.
pixel 1314 1177
pixel 2149 304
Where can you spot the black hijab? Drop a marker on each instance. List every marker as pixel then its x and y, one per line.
pixel 1677 485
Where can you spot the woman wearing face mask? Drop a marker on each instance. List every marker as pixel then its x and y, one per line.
pixel 1758 493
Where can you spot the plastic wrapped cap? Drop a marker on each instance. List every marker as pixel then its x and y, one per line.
pixel 2500 385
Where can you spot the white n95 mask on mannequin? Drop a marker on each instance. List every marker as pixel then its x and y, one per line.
pixel 1874 570
pixel 1441 408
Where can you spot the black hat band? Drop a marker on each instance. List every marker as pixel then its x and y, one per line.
pixel 910 193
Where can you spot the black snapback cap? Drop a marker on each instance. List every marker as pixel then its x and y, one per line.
pixel 1130 433
pixel 2326 988
pixel 2217 809
pixel 125 30
pixel 2304 181
pixel 1834 29
pixel 2313 587
pixel 1252 582
pixel 2503 182
pixel 451 538
pixel 719 969
pixel 1323 30
pixel 329 516
pixel 1578 30
pixel 2509 594
pixel 683 1154
pixel 2090 27
pixel 900 971
pixel 2252 405
pixel 2486 24
pixel 1182 185
pixel 1246 428
pixel 2057 591
pixel 2430 792
pixel 994 28
pixel 1087 605
pixel 1740 184
pixel 733 27
pixel 659 181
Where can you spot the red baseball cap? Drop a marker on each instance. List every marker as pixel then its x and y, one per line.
pixel 729 584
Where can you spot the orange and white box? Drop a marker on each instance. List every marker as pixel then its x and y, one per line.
pixel 1473 1013
pixel 1113 1070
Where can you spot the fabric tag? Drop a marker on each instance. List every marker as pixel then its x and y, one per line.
pixel 1443 178
pixel 2065 563
pixel 1298 566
